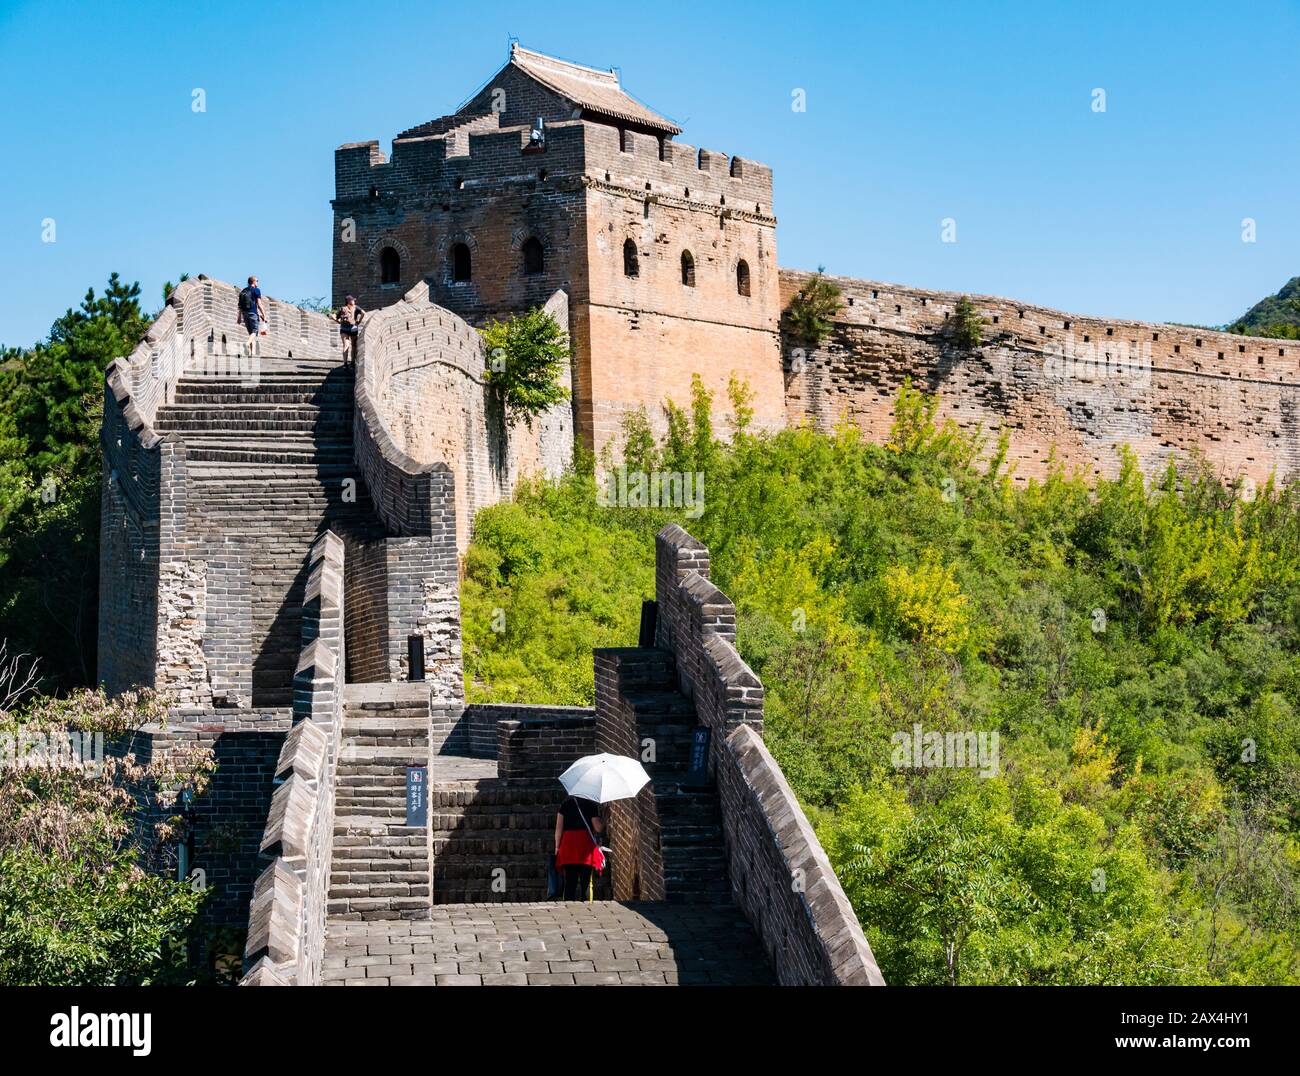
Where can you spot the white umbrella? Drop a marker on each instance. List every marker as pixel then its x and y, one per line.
pixel 604 777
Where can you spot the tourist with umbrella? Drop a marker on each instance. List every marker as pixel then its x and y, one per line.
pixel 590 782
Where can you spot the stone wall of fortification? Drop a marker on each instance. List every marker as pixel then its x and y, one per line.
pixel 157 627
pixel 636 339
pixel 423 369
pixel 781 877
pixel 639 339
pixel 1082 385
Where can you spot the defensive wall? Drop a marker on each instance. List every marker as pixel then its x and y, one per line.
pixel 638 328
pixel 1084 385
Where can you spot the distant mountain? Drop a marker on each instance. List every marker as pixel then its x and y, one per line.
pixel 1278 315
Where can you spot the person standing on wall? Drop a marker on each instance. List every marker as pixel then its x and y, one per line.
pixel 577 852
pixel 252 312
pixel 349 317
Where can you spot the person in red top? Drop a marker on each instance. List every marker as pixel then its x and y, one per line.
pixel 577 823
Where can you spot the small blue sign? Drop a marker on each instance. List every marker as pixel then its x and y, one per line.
pixel 697 771
pixel 417 797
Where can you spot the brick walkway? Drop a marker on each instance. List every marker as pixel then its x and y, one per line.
pixel 549 944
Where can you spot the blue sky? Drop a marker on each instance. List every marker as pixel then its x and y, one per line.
pixel 915 112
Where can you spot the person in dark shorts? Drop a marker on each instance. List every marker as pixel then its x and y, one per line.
pixel 349 318
pixel 252 311
pixel 577 854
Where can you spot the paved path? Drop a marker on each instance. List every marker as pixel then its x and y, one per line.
pixel 549 944
pixel 463 768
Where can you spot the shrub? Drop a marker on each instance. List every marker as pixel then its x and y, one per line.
pixel 526 357
pixel 811 310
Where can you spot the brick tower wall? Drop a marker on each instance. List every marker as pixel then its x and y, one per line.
pixel 474 187
pixel 636 341
pixel 639 339
pixel 1083 385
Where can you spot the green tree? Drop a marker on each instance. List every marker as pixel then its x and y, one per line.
pixel 85 897
pixel 810 314
pixel 526 357
pixel 49 481
pixel 967 325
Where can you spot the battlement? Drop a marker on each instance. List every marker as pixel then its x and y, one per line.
pixel 663 169
pixel 1111 342
pixel 474 155
pixel 1067 386
pixel 479 154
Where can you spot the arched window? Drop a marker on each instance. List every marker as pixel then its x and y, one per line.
pixel 742 277
pixel 688 269
pixel 631 261
pixel 390 266
pixel 460 267
pixel 534 257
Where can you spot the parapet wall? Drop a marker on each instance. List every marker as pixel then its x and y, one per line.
pixel 286 927
pixel 152 592
pixel 1081 384
pixel 422 401
pixel 542 747
pixel 780 875
pixel 478 151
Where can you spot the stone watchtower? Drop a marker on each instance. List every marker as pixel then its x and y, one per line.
pixel 552 176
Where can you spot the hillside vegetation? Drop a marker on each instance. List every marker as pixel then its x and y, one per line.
pixel 1135 646
pixel 1276 315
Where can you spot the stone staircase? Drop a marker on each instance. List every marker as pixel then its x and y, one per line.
pixel 690 819
pixel 268 459
pixel 380 866
pixel 478 827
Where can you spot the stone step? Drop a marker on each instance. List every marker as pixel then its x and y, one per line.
pixel 648 668
pixel 386 889
pixel 353 754
pixel 441 823
pixel 272 452
pixel 661 706
pixel 190 427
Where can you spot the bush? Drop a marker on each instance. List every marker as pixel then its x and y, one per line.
pixel 811 311
pixel 967 325
pixel 85 893
pixel 526 357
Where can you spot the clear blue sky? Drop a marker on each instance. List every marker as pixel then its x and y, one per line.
pixel 915 112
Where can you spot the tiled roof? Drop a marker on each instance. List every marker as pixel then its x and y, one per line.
pixel 595 91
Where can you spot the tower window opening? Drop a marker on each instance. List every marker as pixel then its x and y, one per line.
pixel 742 278
pixel 534 256
pixel 688 269
pixel 631 261
pixel 390 266
pixel 460 263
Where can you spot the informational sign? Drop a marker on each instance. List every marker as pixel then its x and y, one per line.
pixel 417 795
pixel 697 772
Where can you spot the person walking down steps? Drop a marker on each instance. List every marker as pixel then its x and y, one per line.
pixel 349 318
pixel 252 312
pixel 577 853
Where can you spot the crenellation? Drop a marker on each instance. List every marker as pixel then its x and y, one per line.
pixel 1079 385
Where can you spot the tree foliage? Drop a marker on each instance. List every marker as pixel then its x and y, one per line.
pixel 967 325
pixel 810 313
pixel 50 477
pixel 1135 644
pixel 85 897
pixel 526 357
